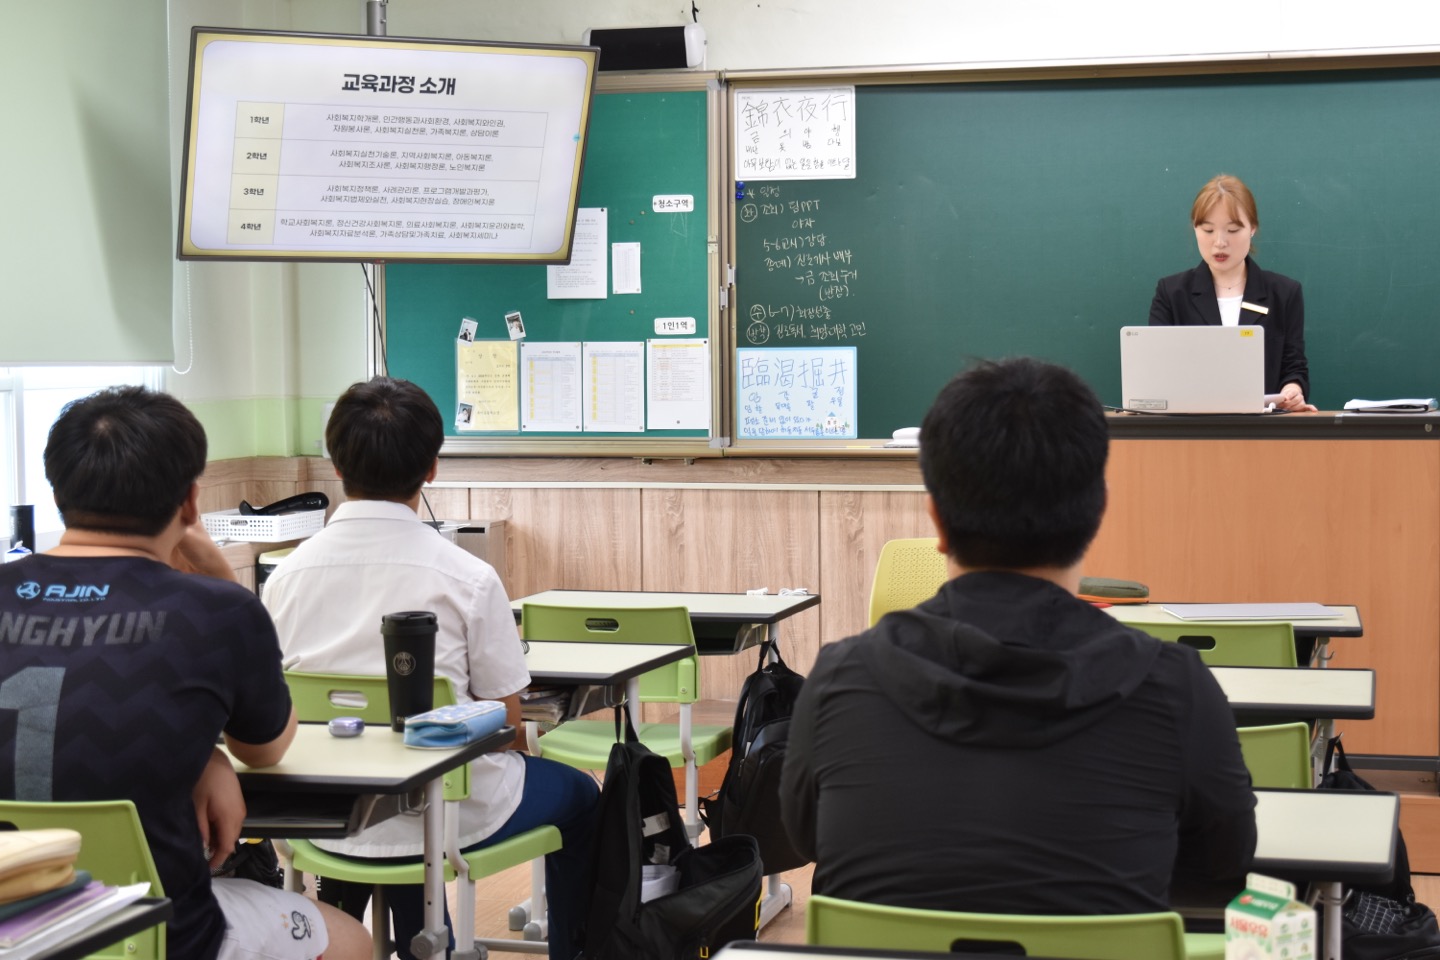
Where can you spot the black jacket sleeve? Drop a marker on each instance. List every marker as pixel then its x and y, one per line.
pixel 1217 820
pixel 1294 368
pixel 1162 314
pixel 799 791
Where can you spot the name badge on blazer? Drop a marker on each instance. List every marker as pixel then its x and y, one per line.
pixel 1246 305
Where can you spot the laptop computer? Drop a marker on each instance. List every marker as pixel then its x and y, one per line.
pixel 1193 369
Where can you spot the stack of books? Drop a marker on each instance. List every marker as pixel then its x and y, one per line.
pixel 43 898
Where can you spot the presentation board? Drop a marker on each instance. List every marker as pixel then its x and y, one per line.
pixel 315 147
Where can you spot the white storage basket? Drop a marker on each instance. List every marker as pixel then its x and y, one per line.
pixel 230 525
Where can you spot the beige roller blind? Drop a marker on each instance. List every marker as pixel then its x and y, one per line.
pixel 86 232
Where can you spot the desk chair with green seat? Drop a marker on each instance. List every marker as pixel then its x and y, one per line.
pixel 112 848
pixel 909 572
pixel 1232 643
pixel 1278 756
pixel 833 922
pixel 318 697
pixel 586 743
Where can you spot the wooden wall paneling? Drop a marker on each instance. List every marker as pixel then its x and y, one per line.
pixel 568 539
pixel 265 492
pixel 854 525
pixel 331 488
pixel 1420 824
pixel 293 469
pixel 1339 521
pixel 736 540
pixel 1276 521
pixel 260 480
pixel 215 497
pixel 750 470
pixel 448 503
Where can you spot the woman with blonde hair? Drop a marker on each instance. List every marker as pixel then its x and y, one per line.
pixel 1229 288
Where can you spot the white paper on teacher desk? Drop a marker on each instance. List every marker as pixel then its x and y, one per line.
pixel 1409 405
pixel 1250 611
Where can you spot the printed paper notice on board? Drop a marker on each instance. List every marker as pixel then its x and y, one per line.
pixel 583 278
pixel 796 393
pixel 614 386
pixel 485 388
pixel 807 133
pixel 550 387
pixel 625 264
pixel 677 384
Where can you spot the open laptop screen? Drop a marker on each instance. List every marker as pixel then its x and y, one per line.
pixel 1193 369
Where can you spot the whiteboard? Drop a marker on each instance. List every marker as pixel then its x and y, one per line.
pixel 796 393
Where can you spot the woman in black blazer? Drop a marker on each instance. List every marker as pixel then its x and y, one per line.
pixel 1227 287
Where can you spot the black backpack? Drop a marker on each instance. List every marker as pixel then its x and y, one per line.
pixel 638 822
pixel 1381 922
pixel 748 801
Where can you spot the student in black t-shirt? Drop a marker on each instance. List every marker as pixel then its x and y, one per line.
pixel 121 664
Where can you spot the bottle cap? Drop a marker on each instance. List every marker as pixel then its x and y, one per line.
pixel 346 727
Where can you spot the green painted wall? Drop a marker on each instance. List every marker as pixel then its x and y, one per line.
pixel 262 426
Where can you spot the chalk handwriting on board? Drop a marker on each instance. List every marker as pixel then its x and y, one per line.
pixel 817 269
pixel 807 133
pixel 796 393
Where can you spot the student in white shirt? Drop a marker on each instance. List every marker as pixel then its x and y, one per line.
pixel 374 557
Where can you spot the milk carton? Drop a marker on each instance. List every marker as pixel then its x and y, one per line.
pixel 1265 922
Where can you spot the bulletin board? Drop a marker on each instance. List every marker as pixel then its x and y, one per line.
pixel 651 174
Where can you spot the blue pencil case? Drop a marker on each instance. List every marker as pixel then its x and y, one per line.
pixel 455 725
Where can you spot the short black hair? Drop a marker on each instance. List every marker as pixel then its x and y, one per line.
pixel 123 459
pixel 384 435
pixel 1013 454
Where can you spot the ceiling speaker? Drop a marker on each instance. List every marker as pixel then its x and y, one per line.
pixel 649 48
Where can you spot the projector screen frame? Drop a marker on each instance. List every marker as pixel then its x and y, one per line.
pixel 561 60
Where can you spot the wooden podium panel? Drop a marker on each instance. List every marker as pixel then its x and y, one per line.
pixel 1332 521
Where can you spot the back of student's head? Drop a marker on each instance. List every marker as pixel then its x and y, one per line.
pixel 384 436
pixel 122 460
pixel 1013 454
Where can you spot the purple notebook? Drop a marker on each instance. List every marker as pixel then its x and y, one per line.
pixel 43 915
pixel 16 907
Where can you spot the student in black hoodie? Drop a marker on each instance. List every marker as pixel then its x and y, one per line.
pixel 1006 747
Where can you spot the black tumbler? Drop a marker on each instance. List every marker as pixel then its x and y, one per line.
pixel 409 663
pixel 22 526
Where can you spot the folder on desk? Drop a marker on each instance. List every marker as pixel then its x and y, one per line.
pixel 1408 405
pixel 1249 611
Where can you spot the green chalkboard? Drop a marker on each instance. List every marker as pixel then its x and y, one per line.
pixel 642 144
pixel 1034 217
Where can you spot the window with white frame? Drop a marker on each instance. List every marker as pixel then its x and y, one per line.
pixel 31 397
